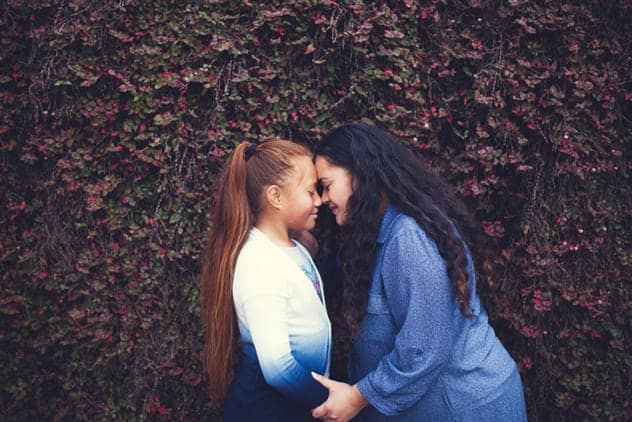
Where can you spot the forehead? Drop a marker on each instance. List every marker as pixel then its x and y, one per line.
pixel 304 169
pixel 327 170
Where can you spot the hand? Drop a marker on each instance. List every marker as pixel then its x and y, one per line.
pixel 344 401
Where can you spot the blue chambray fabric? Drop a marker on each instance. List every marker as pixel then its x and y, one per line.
pixel 416 357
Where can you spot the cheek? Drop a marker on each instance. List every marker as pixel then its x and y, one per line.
pixel 308 204
pixel 344 196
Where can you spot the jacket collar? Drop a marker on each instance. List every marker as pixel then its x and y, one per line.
pixel 392 211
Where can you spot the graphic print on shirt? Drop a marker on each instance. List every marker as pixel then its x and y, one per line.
pixel 310 272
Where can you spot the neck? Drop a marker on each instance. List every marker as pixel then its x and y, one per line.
pixel 274 229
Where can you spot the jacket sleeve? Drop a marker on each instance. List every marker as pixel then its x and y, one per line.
pixel 419 295
pixel 265 311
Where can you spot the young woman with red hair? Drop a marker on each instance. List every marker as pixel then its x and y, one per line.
pixel 263 311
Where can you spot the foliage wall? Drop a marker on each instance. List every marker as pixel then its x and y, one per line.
pixel 116 115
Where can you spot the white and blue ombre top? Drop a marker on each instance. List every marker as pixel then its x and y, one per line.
pixel 282 318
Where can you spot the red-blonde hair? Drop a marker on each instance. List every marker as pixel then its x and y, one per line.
pixel 238 201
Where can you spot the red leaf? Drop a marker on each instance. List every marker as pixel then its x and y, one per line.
pixel 393 34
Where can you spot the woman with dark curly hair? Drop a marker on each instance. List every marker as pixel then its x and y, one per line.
pixel 422 348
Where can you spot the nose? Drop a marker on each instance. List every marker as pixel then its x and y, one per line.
pixel 324 197
pixel 318 201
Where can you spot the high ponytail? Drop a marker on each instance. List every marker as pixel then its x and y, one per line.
pixel 237 203
pixel 231 222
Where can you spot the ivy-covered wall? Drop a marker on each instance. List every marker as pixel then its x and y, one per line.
pixel 116 115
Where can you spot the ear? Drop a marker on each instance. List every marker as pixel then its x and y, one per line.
pixel 273 196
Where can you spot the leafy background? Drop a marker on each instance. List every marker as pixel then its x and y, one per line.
pixel 116 115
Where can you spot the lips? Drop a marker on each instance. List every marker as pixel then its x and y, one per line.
pixel 333 208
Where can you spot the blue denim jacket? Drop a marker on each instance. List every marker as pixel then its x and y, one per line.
pixel 416 356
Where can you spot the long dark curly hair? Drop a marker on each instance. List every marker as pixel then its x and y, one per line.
pixel 380 164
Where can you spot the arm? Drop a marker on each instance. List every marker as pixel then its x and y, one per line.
pixel 419 294
pixel 266 315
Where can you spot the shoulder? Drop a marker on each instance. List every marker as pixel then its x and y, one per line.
pixel 408 241
pixel 406 229
pixel 258 264
pixel 253 250
pixel 396 223
pixel 404 223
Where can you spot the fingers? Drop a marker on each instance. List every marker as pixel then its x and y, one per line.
pixel 324 381
pixel 319 412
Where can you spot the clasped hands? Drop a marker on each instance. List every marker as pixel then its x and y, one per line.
pixel 344 401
